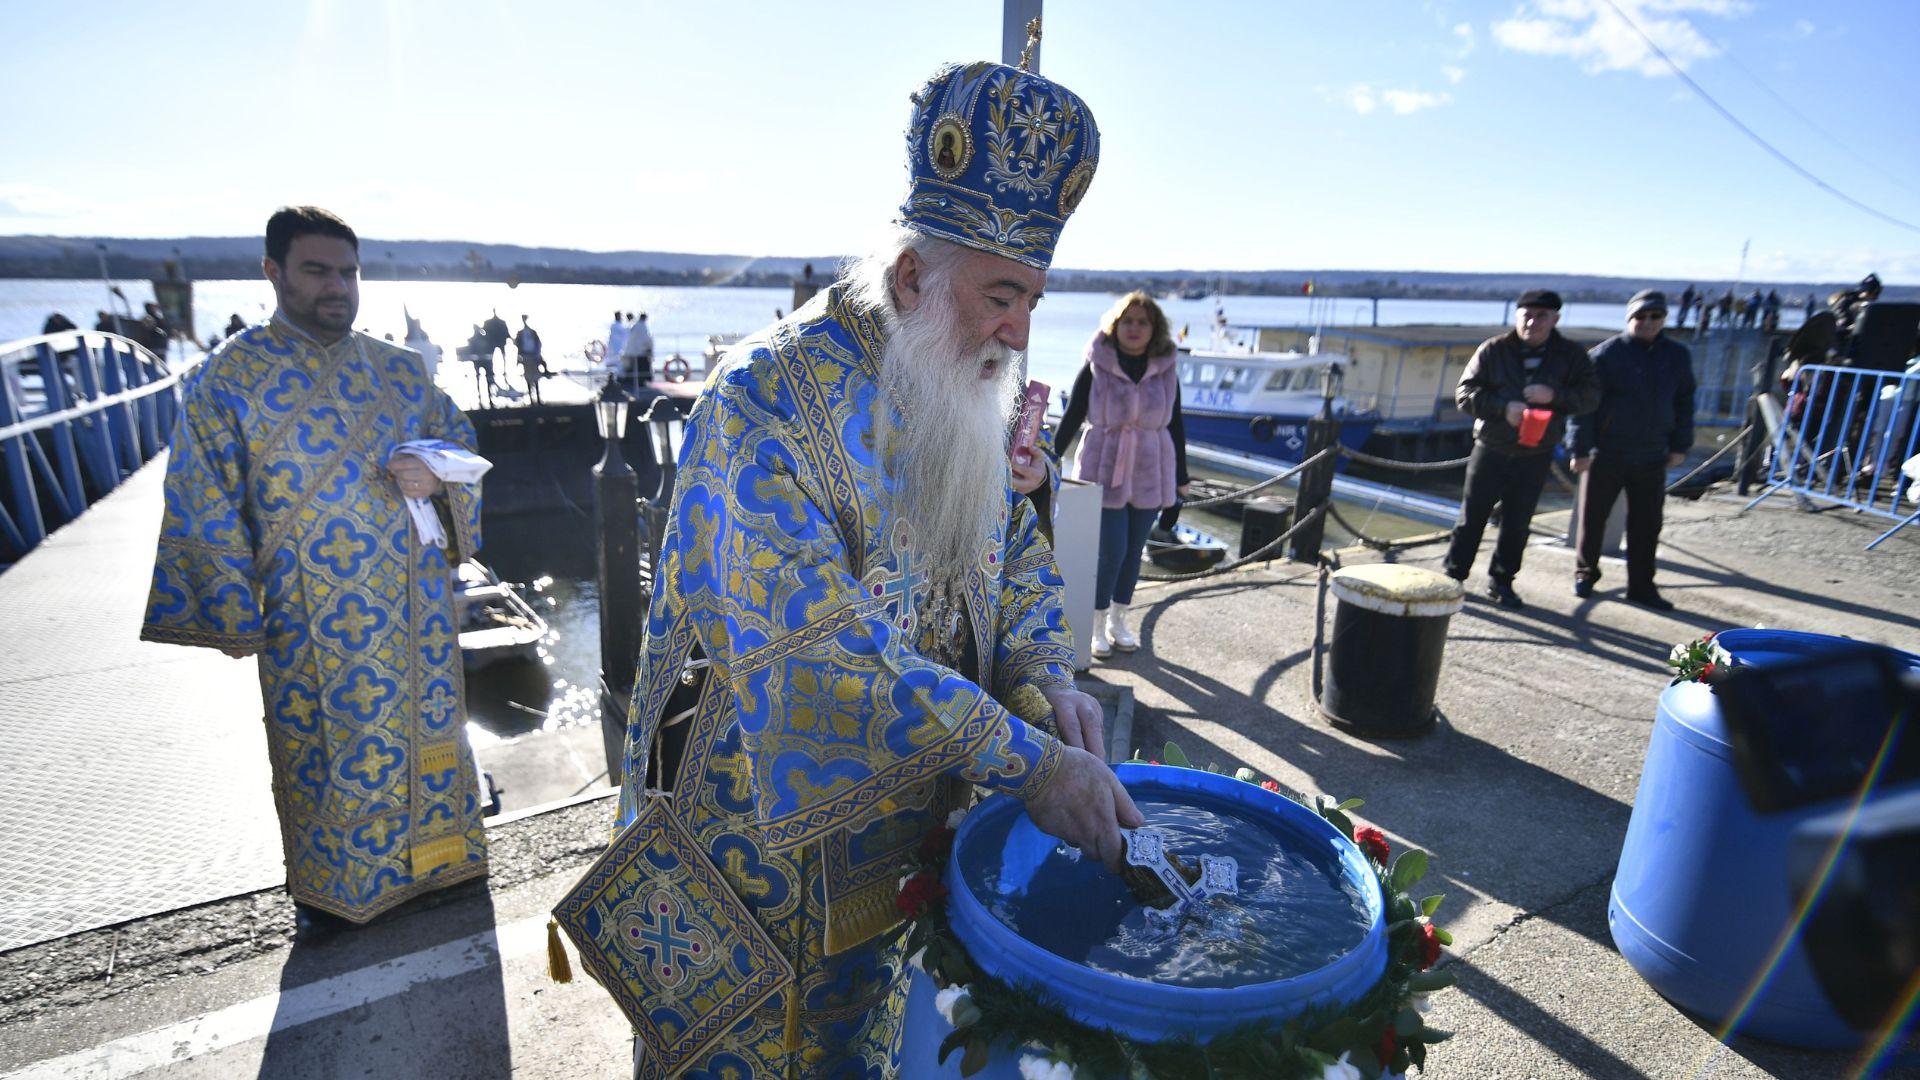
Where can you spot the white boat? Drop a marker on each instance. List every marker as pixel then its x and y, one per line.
pixel 496 622
pixel 1259 402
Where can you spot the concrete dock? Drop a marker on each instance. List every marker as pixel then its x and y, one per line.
pixel 1522 796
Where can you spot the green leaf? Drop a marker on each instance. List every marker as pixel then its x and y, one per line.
pixel 975 1058
pixel 1339 821
pixel 1445 938
pixel 954 1040
pixel 1407 1022
pixel 1426 982
pixel 1173 755
pixel 1336 1036
pixel 1435 1035
pixel 1408 869
pixel 1351 804
pixel 1417 1053
pixel 1432 903
pixel 1213 766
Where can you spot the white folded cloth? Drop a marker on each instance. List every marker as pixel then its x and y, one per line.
pixel 453 464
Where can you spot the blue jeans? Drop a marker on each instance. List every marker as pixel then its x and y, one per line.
pixel 1123 536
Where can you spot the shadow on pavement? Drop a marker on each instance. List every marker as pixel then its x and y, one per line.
pixel 416 993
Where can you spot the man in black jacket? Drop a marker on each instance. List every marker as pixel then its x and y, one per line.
pixel 1643 427
pixel 1533 369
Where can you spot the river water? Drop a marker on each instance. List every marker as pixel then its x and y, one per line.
pixel 569 316
pixel 553 555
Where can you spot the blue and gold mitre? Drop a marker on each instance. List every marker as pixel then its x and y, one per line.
pixel 998 158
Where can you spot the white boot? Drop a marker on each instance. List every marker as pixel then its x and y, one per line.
pixel 1123 636
pixel 1102 648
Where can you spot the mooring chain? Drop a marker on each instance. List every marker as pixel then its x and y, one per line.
pixel 1408 466
pixel 1252 556
pixel 1192 504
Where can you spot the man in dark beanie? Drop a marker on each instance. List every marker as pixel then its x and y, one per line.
pixel 1643 427
pixel 1519 388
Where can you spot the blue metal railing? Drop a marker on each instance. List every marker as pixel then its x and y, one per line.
pixel 1854 430
pixel 80 410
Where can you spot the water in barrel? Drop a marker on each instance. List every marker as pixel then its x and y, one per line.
pixel 1295 912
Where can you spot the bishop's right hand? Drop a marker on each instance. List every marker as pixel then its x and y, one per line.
pixel 1084 804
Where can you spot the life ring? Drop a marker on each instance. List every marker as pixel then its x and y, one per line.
pixel 595 351
pixel 1262 428
pixel 676 369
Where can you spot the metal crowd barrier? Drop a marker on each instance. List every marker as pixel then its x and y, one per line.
pixel 1855 430
pixel 80 410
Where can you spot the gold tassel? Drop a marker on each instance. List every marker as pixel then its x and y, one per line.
pixel 557 967
pixel 792 1034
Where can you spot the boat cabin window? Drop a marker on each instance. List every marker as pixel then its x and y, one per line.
pixel 1207 373
pixel 1240 380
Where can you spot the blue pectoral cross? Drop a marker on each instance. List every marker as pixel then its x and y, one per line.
pixel 898 589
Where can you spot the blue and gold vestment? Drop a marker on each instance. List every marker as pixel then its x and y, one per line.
pixel 284 535
pixel 753 931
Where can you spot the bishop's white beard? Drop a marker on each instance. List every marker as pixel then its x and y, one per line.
pixel 949 455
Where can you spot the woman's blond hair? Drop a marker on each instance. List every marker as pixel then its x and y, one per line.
pixel 1162 340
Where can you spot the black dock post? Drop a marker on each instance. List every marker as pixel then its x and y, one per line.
pixel 616 488
pixel 1316 481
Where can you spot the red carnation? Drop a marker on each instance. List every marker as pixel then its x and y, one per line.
pixel 1708 637
pixel 1271 785
pixel 1388 1046
pixel 1151 761
pixel 920 892
pixel 1707 672
pixel 1373 842
pixel 935 845
pixel 1429 946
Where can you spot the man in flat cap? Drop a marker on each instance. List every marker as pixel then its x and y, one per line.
pixel 1519 388
pixel 1642 428
pixel 856 624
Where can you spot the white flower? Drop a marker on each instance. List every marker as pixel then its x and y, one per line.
pixel 956 1006
pixel 954 819
pixel 1245 774
pixel 1040 1068
pixel 1341 1070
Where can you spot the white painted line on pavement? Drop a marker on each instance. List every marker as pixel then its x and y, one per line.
pixel 269 1013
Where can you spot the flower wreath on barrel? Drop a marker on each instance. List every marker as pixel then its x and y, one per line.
pixel 1382 1031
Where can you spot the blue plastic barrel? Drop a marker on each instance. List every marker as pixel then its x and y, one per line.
pixel 1142 1010
pixel 1701 897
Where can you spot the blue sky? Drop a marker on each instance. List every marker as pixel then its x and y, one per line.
pixel 1483 136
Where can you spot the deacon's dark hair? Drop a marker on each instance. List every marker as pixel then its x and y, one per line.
pixel 289 223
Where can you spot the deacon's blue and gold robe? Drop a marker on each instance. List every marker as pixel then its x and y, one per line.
pixel 284 535
pixel 835 704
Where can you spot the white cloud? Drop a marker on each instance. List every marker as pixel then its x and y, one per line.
pixel 1454 74
pixel 1590 32
pixel 1403 102
pixel 1464 32
pixel 1802 28
pixel 1365 99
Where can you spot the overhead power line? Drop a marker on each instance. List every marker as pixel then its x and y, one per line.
pixel 1755 136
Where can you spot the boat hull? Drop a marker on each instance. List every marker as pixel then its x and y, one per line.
pixel 1278 436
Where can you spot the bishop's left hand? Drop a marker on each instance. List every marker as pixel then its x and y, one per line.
pixel 1077 715
pixel 415 480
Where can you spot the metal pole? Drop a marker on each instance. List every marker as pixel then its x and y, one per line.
pixel 1014 16
pixel 616 489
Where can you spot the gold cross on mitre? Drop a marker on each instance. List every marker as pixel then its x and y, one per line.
pixel 1033 41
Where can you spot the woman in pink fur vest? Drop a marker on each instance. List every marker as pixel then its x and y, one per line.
pixel 1128 396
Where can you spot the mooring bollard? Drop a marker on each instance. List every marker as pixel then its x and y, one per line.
pixel 1316 482
pixel 1389 634
pixel 615 490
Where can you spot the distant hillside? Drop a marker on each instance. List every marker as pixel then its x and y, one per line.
pixel 211 257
